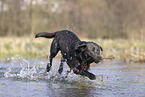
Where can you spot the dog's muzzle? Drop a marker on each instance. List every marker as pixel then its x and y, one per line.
pixel 97 59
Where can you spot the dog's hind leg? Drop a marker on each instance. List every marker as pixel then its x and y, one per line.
pixel 61 65
pixel 53 52
pixel 84 72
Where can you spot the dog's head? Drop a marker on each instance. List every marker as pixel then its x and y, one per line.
pixel 90 49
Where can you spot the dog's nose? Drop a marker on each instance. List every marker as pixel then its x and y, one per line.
pixel 99 57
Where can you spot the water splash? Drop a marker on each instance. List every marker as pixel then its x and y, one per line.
pixel 22 68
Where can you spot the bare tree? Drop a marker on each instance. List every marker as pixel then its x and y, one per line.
pixel 90 18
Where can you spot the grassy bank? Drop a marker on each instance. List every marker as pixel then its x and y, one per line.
pixel 27 47
pixel 127 51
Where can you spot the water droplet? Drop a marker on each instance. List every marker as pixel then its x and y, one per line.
pixel 70 58
pixel 8 59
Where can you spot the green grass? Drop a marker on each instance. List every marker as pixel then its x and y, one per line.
pixel 127 51
pixel 24 46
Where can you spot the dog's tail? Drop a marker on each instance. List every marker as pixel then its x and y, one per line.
pixel 45 34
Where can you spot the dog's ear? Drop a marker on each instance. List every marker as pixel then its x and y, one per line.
pixel 80 45
pixel 101 48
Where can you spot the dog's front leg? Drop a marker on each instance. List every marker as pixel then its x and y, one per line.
pixel 61 65
pixel 84 72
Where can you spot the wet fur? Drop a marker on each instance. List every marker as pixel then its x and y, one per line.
pixel 73 50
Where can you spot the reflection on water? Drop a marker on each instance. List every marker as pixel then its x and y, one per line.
pixel 21 77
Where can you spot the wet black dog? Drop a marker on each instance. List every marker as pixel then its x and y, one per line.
pixel 78 54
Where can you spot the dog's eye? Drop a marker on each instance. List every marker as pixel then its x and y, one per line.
pixel 90 48
pixel 93 49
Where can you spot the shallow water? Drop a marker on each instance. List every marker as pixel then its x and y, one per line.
pixel 20 78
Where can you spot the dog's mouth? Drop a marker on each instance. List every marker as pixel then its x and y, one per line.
pixel 97 59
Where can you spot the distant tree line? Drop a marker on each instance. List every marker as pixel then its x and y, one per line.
pixel 88 18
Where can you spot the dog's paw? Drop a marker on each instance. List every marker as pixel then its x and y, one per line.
pixel 92 77
pixel 48 68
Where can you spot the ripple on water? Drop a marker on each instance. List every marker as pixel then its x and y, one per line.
pixel 123 80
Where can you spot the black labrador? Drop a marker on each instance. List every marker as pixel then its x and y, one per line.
pixel 77 54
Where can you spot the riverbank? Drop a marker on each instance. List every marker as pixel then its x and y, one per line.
pixel 124 50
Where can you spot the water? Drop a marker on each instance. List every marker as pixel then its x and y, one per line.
pixel 20 78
